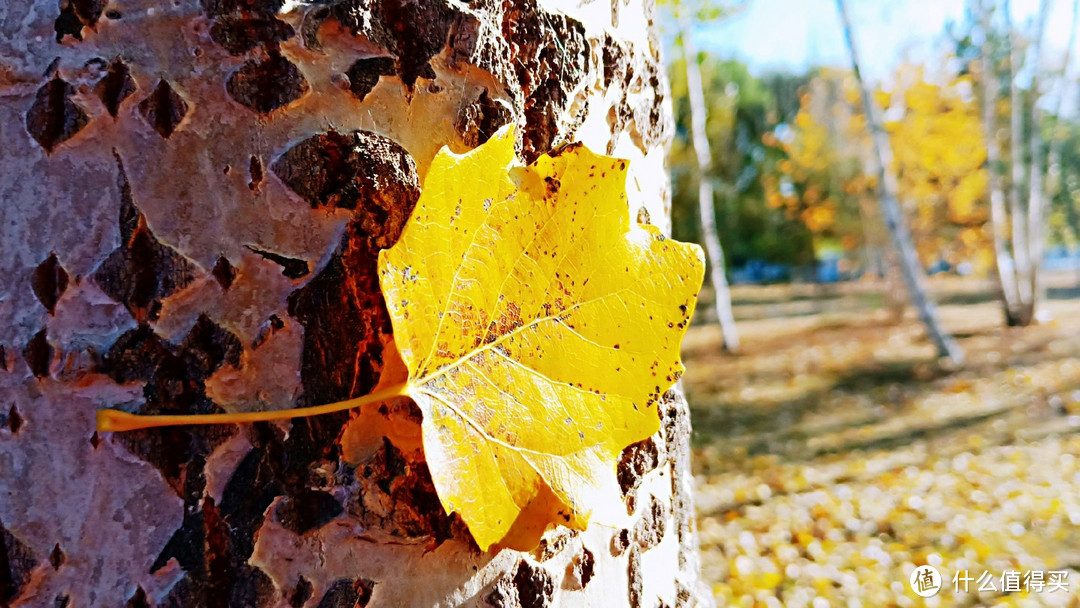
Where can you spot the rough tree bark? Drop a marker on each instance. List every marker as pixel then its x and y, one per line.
pixel 710 238
pixel 892 214
pixel 195 193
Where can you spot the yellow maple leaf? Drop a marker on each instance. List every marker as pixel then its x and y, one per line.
pixel 538 326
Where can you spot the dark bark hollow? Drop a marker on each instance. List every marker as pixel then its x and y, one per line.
pixel 195 196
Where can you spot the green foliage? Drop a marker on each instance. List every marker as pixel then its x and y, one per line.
pixel 741 110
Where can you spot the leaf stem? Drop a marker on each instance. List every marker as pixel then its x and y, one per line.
pixel 117 421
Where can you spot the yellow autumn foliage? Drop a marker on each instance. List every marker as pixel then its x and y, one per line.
pixel 539 327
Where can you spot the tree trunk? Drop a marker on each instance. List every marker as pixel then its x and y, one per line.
pixel 1023 314
pixel 999 216
pixel 1072 218
pixel 892 214
pixel 1037 200
pixel 706 208
pixel 195 195
pixel 1019 279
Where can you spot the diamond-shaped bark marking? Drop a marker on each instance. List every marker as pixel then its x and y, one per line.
pixel 224 272
pixel 38 354
pixel 268 84
pixel 54 118
pixel 208 346
pixel 142 270
pixel 16 562
pixel 49 282
pixel 164 109
pixel 116 86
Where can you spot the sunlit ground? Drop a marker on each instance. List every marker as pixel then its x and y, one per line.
pixel 833 455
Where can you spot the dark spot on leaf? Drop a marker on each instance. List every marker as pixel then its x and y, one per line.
pixel 135 355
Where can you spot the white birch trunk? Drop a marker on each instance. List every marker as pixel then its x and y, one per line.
pixel 999 216
pixel 1037 201
pixel 1023 314
pixel 706 209
pixel 892 214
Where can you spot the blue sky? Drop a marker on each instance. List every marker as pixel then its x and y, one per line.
pixel 792 34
